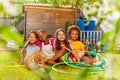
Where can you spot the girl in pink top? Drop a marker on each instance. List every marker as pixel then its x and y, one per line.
pixel 45 44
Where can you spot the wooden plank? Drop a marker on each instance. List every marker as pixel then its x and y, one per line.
pixel 48 19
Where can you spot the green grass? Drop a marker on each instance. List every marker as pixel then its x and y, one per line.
pixel 11 70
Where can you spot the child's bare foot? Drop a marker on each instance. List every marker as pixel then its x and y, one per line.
pixel 96 63
pixel 91 62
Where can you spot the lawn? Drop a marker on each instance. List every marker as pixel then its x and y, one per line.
pixel 11 70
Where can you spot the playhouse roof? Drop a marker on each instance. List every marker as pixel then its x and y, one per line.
pixel 44 5
pixel 34 5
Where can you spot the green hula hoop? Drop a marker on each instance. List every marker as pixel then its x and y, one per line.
pixel 91 68
pixel 84 65
pixel 54 67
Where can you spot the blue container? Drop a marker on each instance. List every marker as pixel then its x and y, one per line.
pixel 83 25
pixel 90 26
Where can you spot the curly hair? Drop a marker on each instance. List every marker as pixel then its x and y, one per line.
pixel 73 27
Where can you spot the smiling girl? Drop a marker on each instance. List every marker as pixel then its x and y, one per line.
pixel 61 46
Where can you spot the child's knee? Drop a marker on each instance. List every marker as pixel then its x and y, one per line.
pixel 81 53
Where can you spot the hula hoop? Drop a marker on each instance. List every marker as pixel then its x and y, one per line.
pixel 59 64
pixel 101 57
pixel 54 67
pixel 83 65
pixel 96 37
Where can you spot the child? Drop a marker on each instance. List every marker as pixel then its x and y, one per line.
pixel 61 46
pixel 30 50
pixel 77 47
pixel 45 44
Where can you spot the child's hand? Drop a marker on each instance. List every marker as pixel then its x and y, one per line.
pixel 74 52
pixel 68 49
pixel 62 45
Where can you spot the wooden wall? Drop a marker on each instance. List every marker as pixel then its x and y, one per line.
pixel 46 18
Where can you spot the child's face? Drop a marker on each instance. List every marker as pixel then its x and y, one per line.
pixel 61 36
pixel 39 35
pixel 74 35
pixel 42 36
pixel 32 38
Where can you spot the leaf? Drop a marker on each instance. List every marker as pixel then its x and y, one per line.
pixel 8 34
pixel 117 28
pixel 105 37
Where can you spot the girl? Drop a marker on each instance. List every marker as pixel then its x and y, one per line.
pixel 45 44
pixel 77 46
pixel 61 46
pixel 30 50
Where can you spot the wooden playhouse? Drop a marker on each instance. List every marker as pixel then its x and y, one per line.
pixel 45 17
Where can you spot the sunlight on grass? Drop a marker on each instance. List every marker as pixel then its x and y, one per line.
pixel 7 58
pixel 17 73
pixel 10 69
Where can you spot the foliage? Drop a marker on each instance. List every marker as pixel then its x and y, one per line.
pixel 111 37
pixel 17 19
pixel 58 3
pixel 8 34
pixel 96 11
pixel 114 38
pixel 3 12
pixel 67 24
pixel 3 42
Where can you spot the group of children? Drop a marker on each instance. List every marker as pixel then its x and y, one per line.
pixel 44 50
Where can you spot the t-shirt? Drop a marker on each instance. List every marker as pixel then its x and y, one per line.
pixel 31 49
pixel 39 43
pixel 77 45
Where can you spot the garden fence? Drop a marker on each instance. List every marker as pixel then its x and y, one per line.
pixel 84 35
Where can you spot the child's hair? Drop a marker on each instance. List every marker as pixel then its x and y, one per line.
pixel 41 31
pixel 33 33
pixel 27 42
pixel 73 27
pixel 57 42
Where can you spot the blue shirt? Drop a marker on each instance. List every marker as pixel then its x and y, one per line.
pixel 31 49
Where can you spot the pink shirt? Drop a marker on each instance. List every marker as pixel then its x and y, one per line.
pixel 39 43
